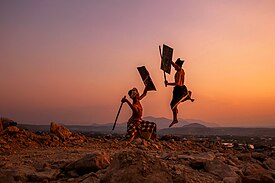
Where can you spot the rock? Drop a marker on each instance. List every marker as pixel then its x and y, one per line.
pixel 1 126
pixel 232 180
pixel 60 131
pixel 90 178
pixel 256 172
pixel 49 174
pixel 72 173
pixel 90 163
pixel 6 177
pixel 12 129
pixel 197 164
pixel 258 156
pixel 137 141
pixel 250 179
pixel 244 157
pixel 2 141
pixel 219 169
pixel 21 173
pixel 270 163
pixel 135 166
pixel 200 157
pixel 197 161
pixel 6 146
pixel 267 178
pixel 6 122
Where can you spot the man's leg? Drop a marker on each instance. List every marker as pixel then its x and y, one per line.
pixel 175 116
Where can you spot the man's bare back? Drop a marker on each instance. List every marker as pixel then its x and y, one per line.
pixel 179 77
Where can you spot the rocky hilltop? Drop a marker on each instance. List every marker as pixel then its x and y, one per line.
pixel 63 156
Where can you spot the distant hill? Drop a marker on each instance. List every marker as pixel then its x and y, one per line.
pixel 207 124
pixel 164 122
pixel 194 125
pixel 184 127
pixel 197 129
pixel 93 129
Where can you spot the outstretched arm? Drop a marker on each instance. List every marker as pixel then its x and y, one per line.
pixel 171 84
pixel 175 65
pixel 144 93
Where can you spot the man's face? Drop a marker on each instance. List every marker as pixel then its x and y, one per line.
pixel 134 93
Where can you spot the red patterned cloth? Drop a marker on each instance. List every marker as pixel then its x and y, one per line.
pixel 145 129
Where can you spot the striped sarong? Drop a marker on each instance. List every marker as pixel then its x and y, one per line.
pixel 180 94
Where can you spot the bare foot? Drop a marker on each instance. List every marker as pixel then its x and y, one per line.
pixel 173 122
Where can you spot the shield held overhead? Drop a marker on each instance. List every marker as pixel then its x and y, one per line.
pixel 146 78
pixel 166 58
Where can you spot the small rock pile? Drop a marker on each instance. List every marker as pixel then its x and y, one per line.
pixel 12 138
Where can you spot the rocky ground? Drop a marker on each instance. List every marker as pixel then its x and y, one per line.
pixel 62 156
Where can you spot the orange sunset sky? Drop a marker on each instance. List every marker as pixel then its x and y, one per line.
pixel 72 61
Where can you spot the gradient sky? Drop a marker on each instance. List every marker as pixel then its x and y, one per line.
pixel 72 61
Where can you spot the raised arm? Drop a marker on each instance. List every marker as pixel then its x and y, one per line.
pixel 175 65
pixel 144 93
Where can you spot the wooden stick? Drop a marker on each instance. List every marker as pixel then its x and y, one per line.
pixel 161 63
pixel 118 113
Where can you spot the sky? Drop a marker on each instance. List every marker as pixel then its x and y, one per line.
pixel 72 61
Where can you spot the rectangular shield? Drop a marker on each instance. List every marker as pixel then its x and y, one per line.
pixel 146 78
pixel 166 58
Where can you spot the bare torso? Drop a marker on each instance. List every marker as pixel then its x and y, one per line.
pixel 136 115
pixel 179 77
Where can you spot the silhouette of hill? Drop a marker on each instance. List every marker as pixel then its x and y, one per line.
pixel 92 129
pixel 196 129
pixel 164 122
pixel 184 127
pixel 194 125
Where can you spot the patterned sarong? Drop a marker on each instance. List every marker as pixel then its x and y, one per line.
pixel 180 94
pixel 141 128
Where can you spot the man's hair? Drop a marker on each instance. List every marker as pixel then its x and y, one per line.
pixel 133 93
pixel 179 62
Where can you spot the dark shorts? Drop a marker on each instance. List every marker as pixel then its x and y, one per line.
pixel 180 94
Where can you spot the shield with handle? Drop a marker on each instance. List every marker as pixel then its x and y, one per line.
pixel 146 78
pixel 166 59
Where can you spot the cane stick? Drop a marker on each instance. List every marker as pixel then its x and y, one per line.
pixel 161 63
pixel 118 113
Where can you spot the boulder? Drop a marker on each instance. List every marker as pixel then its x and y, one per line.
pixel 5 122
pixel 246 157
pixel 270 163
pixel 12 129
pixel 258 156
pixel 90 163
pixel 49 174
pixel 6 177
pixel 219 169
pixel 90 178
pixel 232 180
pixel 135 166
pixel 254 171
pixel 60 131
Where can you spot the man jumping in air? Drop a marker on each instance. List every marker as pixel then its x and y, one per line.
pixel 180 92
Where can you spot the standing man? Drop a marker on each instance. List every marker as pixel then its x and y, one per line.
pixel 180 92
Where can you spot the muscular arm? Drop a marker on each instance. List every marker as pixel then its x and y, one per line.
pixel 179 79
pixel 175 65
pixel 134 109
pixel 143 94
